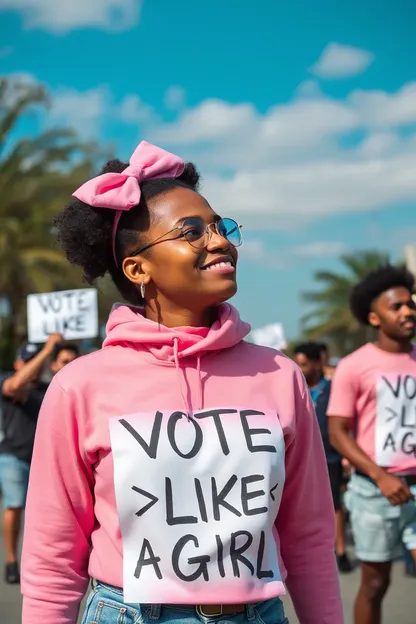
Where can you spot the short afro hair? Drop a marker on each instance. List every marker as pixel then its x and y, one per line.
pixel 375 284
pixel 85 233
pixel 312 350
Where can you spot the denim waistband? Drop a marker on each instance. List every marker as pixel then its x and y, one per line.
pixel 409 479
pixel 155 610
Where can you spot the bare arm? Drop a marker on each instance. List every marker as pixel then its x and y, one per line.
pixel 14 386
pixel 340 437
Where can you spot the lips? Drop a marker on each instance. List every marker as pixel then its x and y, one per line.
pixel 220 262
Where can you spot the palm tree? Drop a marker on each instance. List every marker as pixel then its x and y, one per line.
pixel 330 318
pixel 37 175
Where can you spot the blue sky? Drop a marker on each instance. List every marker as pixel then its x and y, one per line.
pixel 301 116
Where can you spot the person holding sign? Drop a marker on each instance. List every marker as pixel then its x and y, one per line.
pixel 374 395
pixel 308 356
pixel 181 467
pixel 22 393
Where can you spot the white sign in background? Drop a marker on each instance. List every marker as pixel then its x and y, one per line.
pixel 197 499
pixel 270 336
pixel 73 313
pixel 396 420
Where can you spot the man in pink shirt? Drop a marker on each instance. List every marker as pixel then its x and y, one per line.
pixel 372 413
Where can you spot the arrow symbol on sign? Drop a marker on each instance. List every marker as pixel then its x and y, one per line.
pixel 152 497
pixel 271 492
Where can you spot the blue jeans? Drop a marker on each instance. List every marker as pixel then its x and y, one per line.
pixel 105 606
pixel 14 478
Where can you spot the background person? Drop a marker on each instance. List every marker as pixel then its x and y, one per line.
pixel 373 397
pixel 22 393
pixel 64 353
pixel 308 357
pixel 181 505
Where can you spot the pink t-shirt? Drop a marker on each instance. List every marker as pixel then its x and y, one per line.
pixel 378 390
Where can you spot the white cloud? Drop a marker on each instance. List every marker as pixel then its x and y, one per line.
pixel 307 158
pixel 342 61
pixel 60 17
pixel 255 250
pixel 85 111
pixel 319 248
pixel 133 110
pixel 175 97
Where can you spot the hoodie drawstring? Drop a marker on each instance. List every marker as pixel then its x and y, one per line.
pixel 181 379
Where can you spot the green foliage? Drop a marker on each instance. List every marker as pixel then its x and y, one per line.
pixel 330 318
pixel 37 176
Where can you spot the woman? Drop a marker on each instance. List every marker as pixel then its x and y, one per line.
pixel 180 466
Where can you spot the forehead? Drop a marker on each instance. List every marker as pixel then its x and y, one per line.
pixel 66 353
pixel 178 204
pixel 301 358
pixel 399 294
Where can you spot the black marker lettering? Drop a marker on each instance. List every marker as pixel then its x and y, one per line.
pixel 151 448
pixel 220 556
pixel 410 386
pixel 259 572
pixel 171 520
pixel 218 499
pixel 173 420
pixel 405 420
pixel 81 303
pixel 151 560
pixel 42 304
pixel 409 443
pixel 396 390
pixel 216 416
pixel 202 560
pixel 201 500
pixel 236 554
pixel 272 496
pixel 248 433
pixel 55 302
pixel 390 441
pixel 69 297
pixel 152 497
pixel 246 495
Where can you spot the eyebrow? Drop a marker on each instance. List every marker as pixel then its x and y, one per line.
pixel 182 219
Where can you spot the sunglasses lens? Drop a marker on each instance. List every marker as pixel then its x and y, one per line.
pixel 195 232
pixel 231 231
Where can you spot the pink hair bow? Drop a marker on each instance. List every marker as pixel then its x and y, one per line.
pixel 121 191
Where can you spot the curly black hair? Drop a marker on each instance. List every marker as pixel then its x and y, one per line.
pixel 373 285
pixel 311 349
pixel 85 233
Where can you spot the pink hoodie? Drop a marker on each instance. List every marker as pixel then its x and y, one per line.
pixel 184 465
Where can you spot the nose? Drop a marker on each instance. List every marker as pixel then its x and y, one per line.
pixel 408 311
pixel 217 241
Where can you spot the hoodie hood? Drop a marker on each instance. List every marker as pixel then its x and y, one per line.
pixel 128 327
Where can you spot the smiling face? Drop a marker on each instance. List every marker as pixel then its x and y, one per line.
pixel 394 314
pixel 177 274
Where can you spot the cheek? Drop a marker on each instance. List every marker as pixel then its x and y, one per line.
pixel 178 260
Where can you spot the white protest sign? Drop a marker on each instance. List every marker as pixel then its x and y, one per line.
pixel 197 499
pixel 270 336
pixel 395 420
pixel 73 313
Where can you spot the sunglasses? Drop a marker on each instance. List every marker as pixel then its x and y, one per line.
pixel 198 234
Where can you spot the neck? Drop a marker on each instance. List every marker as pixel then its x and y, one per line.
pixel 171 316
pixel 313 382
pixel 392 346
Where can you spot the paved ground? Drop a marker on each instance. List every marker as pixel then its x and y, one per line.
pixel 400 605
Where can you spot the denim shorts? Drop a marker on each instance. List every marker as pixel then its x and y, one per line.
pixel 380 530
pixel 14 478
pixel 105 606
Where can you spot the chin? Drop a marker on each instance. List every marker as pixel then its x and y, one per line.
pixel 223 294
